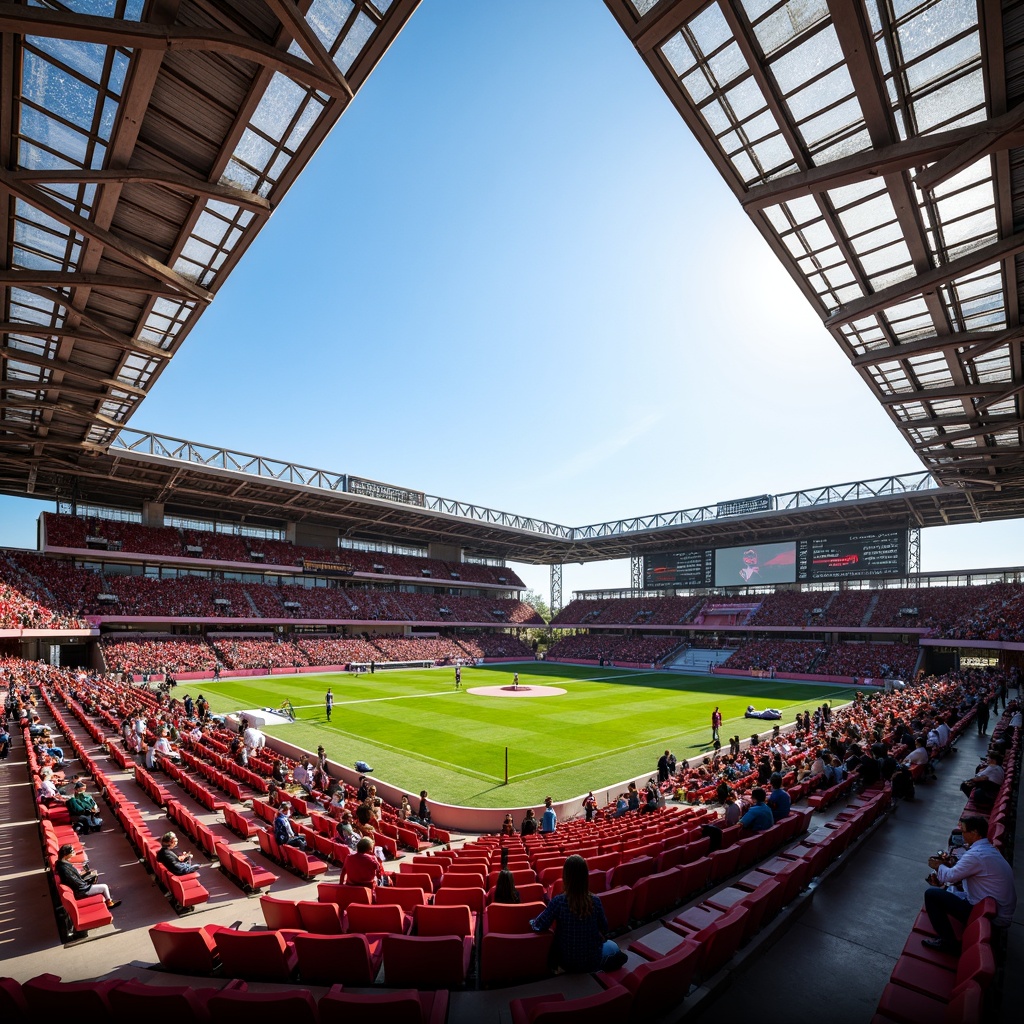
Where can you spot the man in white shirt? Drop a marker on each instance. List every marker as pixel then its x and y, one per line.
pixel 981 871
pixel 943 730
pixel 919 755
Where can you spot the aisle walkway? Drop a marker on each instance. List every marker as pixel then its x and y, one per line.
pixel 833 964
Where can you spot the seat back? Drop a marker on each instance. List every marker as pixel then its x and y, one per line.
pixel 320 918
pixel 454 897
pixel 444 921
pixel 721 939
pixel 511 959
pixel 407 899
pixel 413 880
pixel 335 959
pixel 52 998
pixel 399 1007
pixel 426 961
pixel 375 918
pixel 186 950
pixel 343 895
pixel 661 984
pixel 510 918
pixel 631 871
pixel 254 956
pixel 461 880
pixel 280 913
pixel 296 1006
pixel 617 903
pixel 609 1007
pixel 158 1004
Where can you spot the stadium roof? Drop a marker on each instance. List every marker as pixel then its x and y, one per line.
pixel 875 146
pixel 144 144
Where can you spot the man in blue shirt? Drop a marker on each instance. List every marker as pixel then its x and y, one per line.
pixel 778 801
pixel 759 817
pixel 548 821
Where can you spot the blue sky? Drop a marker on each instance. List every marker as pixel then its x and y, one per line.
pixel 511 276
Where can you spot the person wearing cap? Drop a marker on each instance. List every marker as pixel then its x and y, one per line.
pixel 79 884
pixel 83 810
pixel 177 865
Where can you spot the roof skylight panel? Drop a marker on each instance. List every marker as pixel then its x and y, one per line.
pixel 27 307
pixel 640 6
pixel 992 368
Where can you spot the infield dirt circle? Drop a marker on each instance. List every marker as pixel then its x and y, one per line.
pixel 511 691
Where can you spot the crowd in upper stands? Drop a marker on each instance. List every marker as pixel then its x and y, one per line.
pixel 994 611
pixel 155 655
pixel 77 533
pixel 614 647
pixel 43 590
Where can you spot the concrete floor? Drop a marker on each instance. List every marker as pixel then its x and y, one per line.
pixel 826 961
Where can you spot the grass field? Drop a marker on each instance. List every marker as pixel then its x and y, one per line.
pixel 418 732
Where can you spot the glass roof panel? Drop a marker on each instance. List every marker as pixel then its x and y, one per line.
pixel 816 55
pixel 934 23
pixel 791 20
pixel 962 100
pixel 327 18
pixel 357 37
pixel 820 93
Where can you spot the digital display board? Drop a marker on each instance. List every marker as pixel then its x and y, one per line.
pixel 678 569
pixel 853 556
pixel 755 565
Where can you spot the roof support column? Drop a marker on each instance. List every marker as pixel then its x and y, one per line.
pixel 556 589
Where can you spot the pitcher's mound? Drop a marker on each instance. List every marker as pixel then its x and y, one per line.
pixel 511 691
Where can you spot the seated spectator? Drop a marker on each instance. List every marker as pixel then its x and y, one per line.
pixel 283 831
pixel 362 867
pixel 759 817
pixel 505 890
pixel 983 786
pixel 177 865
pixel 580 945
pixel 778 800
pixel 981 871
pixel 85 815
pixel 529 825
pixel 81 884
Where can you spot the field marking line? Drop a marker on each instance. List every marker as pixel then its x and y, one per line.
pixel 483 776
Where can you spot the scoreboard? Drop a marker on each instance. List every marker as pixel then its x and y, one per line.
pixel 851 556
pixel 679 569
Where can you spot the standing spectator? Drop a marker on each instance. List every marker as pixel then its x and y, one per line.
pixel 548 820
pixel 328 703
pixel 983 716
pixel 716 723
pixel 663 772
pixel 589 805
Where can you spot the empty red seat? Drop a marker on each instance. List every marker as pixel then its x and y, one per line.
pixel 660 985
pixel 617 904
pixel 296 1006
pixel 159 1004
pixel 344 959
pixel 186 950
pixel 510 918
pixel 609 1007
pixel 342 895
pixel 377 919
pixel 400 1007
pixel 256 956
pixel 407 899
pixel 49 997
pixel 436 920
pixel 280 914
pixel 320 918
pixel 427 961
pixel 511 959
pixel 473 898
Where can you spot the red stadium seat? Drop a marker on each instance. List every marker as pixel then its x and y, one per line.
pixel 609 1007
pixel 400 1007
pixel 342 959
pixel 427 961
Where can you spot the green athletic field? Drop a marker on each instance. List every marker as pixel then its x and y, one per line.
pixel 419 733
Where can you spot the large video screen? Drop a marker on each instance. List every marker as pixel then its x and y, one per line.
pixel 678 569
pixel 755 564
pixel 853 556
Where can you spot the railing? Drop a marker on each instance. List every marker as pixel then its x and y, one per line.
pixel 212 457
